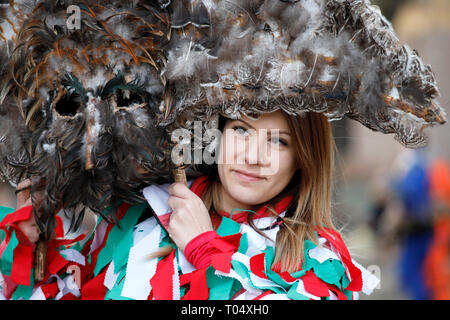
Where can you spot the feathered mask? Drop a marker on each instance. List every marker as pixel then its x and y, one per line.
pixel 89 110
pixel 78 105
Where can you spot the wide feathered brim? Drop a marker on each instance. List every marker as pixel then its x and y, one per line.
pixel 340 58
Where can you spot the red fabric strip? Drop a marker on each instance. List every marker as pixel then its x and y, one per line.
pixel 22 264
pixel 340 295
pixel 9 224
pixel 238 293
pixel 9 286
pixel 56 243
pixel 257 265
pixel 50 290
pixel 198 286
pixel 314 285
pixel 225 248
pixel 20 215
pixel 164 219
pixel 185 278
pixel 123 208
pixel 56 262
pixel 59 229
pixel 162 281
pixel 286 276
pixel 228 243
pixel 94 288
pixel 69 296
pixel 222 261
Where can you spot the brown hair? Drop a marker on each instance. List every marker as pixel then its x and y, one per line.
pixel 311 187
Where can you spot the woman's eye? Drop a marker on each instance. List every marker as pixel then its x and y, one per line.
pixel 278 141
pixel 241 130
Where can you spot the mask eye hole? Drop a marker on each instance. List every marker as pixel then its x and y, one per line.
pixel 128 98
pixel 68 105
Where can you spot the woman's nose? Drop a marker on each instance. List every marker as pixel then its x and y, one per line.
pixel 257 149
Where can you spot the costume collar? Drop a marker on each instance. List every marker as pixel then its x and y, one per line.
pixel 157 196
pixel 201 183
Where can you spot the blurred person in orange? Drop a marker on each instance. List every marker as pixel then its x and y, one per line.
pixel 437 262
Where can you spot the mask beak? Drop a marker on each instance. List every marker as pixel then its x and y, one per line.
pixel 92 131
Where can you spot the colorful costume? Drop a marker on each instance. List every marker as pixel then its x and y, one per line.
pixel 116 262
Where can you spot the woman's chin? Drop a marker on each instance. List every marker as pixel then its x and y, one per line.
pixel 246 194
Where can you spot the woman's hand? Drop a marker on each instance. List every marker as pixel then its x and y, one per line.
pixel 189 216
pixel 23 192
pixel 28 227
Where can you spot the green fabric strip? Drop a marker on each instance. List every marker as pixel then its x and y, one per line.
pixel 228 227
pixel 7 258
pixel 331 271
pixel 4 211
pixel 243 272
pixel 348 294
pixel 122 250
pixel 269 256
pixel 23 292
pixel 221 288
pixel 243 244
pixel 294 295
pixel 120 240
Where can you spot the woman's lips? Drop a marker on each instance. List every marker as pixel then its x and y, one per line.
pixel 247 177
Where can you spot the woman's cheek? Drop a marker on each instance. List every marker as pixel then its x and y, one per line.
pixel 227 150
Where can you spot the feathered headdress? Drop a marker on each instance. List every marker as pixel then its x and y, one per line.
pixel 89 110
pixel 341 58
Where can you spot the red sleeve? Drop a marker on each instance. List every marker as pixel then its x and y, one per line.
pixel 199 251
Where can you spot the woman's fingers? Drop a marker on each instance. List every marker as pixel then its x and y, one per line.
pixel 25 184
pixel 175 202
pixel 30 229
pixel 189 215
pixel 23 192
pixel 180 190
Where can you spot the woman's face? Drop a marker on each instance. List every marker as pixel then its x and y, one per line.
pixel 256 160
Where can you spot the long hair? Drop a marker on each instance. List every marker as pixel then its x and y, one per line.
pixel 311 187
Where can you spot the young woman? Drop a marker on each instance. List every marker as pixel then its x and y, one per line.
pixel 258 225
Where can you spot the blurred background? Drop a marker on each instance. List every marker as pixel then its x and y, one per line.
pixel 393 204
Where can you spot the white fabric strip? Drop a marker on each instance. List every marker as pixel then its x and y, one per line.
pixel 370 281
pixel 140 267
pixel 157 197
pixel 110 276
pixel 74 256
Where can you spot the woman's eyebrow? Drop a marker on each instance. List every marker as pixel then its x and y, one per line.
pixel 283 132
pixel 280 132
pixel 246 123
